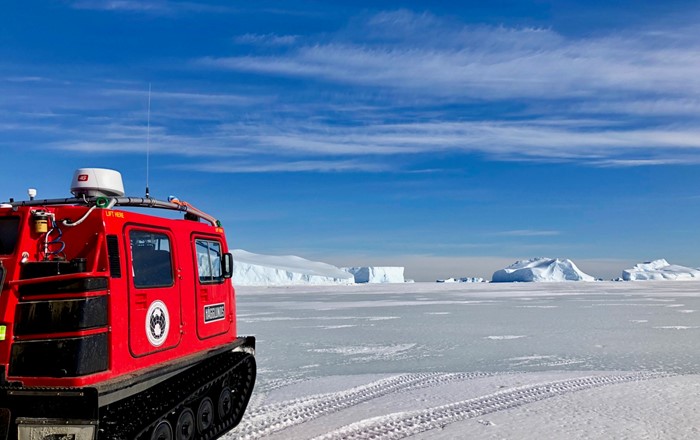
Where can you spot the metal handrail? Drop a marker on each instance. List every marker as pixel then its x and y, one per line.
pixel 104 202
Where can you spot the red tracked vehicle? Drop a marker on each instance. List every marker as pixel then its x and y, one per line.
pixel 117 324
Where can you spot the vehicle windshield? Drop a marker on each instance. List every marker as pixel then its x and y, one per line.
pixel 9 232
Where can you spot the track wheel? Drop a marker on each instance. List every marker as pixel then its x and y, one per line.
pixel 225 403
pixel 205 415
pixel 185 429
pixel 163 431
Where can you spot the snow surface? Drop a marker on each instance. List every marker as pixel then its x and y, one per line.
pixel 659 270
pixel 377 274
pixel 541 270
pixel 251 269
pixel 488 361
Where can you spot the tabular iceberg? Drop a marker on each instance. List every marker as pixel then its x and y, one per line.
pixel 377 274
pixel 541 270
pixel 251 269
pixel 659 270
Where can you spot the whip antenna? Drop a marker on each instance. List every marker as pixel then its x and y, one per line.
pixel 148 140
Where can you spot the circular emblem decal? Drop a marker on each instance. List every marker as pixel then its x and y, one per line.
pixel 157 323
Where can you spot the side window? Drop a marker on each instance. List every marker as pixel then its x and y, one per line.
pixel 9 233
pixel 152 262
pixel 209 261
pixel 2 276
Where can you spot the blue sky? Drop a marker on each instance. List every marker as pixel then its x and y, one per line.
pixel 449 138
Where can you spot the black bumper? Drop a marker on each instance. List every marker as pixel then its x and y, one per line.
pixel 63 404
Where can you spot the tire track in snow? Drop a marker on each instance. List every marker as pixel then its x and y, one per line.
pixel 264 388
pixel 401 425
pixel 267 419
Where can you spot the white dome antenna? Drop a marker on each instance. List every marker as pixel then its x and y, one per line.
pixel 97 182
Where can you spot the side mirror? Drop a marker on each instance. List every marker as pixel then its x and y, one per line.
pixel 227 266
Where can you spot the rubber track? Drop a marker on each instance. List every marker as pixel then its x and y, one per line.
pixel 133 418
pixel 401 425
pixel 265 420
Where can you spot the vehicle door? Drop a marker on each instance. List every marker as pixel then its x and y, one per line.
pixel 154 293
pixel 214 292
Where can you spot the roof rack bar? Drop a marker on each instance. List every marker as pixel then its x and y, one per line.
pixel 49 202
pixel 155 203
pixel 142 202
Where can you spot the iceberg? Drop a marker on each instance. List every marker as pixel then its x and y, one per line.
pixel 472 280
pixel 446 280
pixel 659 270
pixel 541 270
pixel 462 280
pixel 377 274
pixel 251 269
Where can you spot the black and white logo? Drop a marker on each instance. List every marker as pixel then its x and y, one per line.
pixel 214 312
pixel 157 323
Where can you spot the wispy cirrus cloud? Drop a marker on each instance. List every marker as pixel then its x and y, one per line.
pixel 671 107
pixel 379 144
pixel 543 139
pixel 266 39
pixel 394 85
pixel 425 54
pixel 527 233
pixel 155 7
pixel 633 163
pixel 322 166
pixel 23 79
pixel 123 5
pixel 625 99
pixel 106 119
pixel 219 99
